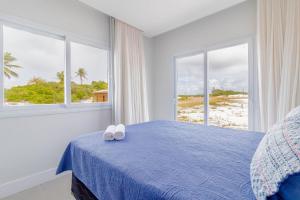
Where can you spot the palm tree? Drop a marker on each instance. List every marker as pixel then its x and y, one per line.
pixel 9 67
pixel 82 74
pixel 60 76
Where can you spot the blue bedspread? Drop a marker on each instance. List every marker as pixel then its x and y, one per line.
pixel 165 160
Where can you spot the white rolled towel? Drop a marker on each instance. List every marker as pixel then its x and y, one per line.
pixel 120 132
pixel 109 133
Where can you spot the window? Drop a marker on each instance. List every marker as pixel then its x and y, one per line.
pixel 190 88
pixel 89 74
pixel 214 91
pixel 32 67
pixel 41 68
pixel 228 87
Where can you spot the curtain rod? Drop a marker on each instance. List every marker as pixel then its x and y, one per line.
pixel 113 18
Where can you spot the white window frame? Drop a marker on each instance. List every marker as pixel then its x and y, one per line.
pixel 68 60
pixel 67 106
pixel 251 81
pixel 2 69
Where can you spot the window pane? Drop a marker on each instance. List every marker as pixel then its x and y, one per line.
pixel 190 88
pixel 32 67
pixel 228 87
pixel 89 74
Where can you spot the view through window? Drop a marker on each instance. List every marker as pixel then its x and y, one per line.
pixel 32 67
pixel 89 74
pixel 190 88
pixel 227 87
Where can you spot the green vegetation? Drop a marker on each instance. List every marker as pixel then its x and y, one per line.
pixel 85 91
pixel 40 91
pixel 36 92
pixel 215 92
pixel 218 92
pixel 216 98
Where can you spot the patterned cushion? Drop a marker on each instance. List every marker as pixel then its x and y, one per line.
pixel 277 156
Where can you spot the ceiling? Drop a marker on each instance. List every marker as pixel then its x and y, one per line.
pixel 158 16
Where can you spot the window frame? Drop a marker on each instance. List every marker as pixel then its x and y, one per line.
pixel 109 79
pixel 67 106
pixel 195 53
pixel 251 79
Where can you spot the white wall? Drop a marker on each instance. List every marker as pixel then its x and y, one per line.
pixel 30 145
pixel 149 57
pixel 66 15
pixel 231 24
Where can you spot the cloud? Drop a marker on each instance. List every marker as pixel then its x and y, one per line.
pixel 227 70
pixel 43 57
pixel 190 75
pixel 95 62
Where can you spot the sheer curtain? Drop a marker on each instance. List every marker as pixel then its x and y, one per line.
pixel 130 99
pixel 279 56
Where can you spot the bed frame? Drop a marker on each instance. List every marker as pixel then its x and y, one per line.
pixel 80 191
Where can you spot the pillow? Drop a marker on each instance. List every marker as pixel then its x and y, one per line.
pixel 290 188
pixel 277 158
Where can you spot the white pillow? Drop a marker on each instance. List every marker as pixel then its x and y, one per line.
pixel 277 156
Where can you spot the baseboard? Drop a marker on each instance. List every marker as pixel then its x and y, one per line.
pixel 28 182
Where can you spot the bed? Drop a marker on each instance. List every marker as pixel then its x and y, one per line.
pixel 164 160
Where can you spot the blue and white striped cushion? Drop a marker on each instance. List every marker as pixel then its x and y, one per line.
pixel 277 156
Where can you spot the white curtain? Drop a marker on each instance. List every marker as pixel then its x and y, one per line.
pixel 130 99
pixel 279 56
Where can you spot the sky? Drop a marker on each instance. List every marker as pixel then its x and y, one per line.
pixel 43 57
pixel 227 70
pixel 190 75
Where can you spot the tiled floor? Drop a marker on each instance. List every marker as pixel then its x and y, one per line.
pixel 58 189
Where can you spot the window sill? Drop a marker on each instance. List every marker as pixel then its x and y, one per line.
pixel 42 110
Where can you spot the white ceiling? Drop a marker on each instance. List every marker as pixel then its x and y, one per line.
pixel 158 16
